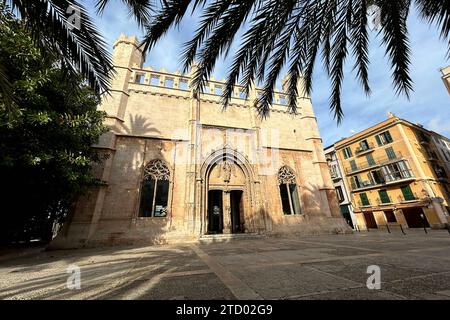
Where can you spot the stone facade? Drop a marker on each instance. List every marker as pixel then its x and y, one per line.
pixel 209 163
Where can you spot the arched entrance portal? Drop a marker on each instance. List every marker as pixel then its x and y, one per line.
pixel 227 191
pixel 226 187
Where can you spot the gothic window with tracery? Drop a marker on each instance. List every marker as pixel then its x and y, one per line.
pixel 155 190
pixel 288 191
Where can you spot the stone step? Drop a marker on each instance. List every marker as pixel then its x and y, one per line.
pixel 228 237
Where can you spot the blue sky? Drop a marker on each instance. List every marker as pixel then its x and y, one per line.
pixel 429 104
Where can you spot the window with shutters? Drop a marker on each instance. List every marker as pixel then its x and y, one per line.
pixel 377 177
pixel 353 165
pixel 408 195
pixel 384 197
pixel 396 171
pixel 364 199
pixel 364 145
pixel 391 153
pixel 347 153
pixel 370 160
pixel 356 182
pixel 340 194
pixel 384 138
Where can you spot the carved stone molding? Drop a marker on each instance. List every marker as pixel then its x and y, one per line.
pixel 157 170
pixel 286 176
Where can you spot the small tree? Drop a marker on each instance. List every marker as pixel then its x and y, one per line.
pixel 45 143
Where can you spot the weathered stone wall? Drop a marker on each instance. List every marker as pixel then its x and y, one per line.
pixel 150 120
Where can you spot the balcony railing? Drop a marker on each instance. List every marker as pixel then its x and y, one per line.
pixel 399 175
pixel 379 161
pixel 423 139
pixel 335 176
pixel 396 177
pixel 362 185
pixel 440 173
pixel 363 150
pixel 432 157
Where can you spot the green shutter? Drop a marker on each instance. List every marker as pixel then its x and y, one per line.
pixel 364 199
pixel 345 209
pixel 408 194
pixel 370 160
pixel 378 140
pixel 345 154
pixel 388 137
pixel 391 153
pixel 353 165
pixel 384 197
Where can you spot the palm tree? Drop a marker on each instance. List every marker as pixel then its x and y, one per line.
pixel 296 33
pixel 81 48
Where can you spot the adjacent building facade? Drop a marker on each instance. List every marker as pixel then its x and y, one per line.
pixel 442 145
pixel 340 184
pixel 396 174
pixel 180 167
pixel 446 77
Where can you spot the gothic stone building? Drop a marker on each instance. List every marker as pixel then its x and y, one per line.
pixel 181 168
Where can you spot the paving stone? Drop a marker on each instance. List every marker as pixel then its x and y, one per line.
pixel 416 266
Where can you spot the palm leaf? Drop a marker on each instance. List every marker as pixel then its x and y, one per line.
pixel 139 9
pixel 83 49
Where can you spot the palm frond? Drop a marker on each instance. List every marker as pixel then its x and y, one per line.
pixel 395 37
pixel 437 12
pixel 170 14
pixel 83 49
pixel 360 42
pixel 139 9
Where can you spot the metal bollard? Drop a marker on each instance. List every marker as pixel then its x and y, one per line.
pixel 387 227
pixel 403 231
pixel 423 223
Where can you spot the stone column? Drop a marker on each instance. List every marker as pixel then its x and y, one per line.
pixel 194 218
pixel 226 212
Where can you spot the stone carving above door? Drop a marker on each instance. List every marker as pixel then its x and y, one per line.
pixel 227 173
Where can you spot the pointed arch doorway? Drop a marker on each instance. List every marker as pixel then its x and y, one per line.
pixel 227 192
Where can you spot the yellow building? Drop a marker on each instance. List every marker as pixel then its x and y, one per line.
pixel 395 176
pixel 446 77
